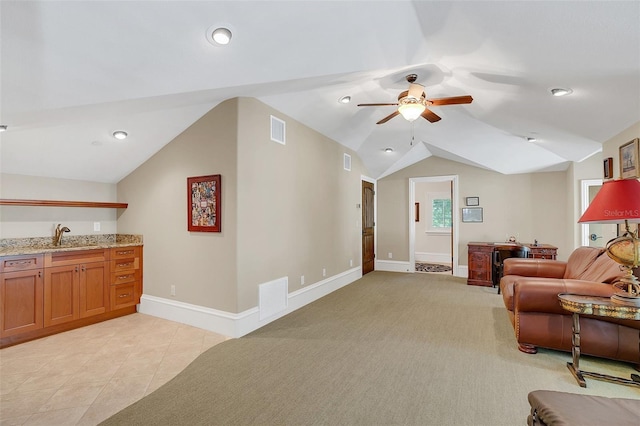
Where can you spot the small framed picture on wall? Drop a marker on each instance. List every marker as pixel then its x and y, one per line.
pixel 472 201
pixel 608 168
pixel 629 159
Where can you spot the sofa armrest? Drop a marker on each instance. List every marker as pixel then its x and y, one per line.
pixel 540 295
pixel 545 268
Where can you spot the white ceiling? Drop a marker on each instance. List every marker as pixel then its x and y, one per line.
pixel 73 72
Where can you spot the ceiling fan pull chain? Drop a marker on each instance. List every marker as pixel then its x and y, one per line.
pixel 412 134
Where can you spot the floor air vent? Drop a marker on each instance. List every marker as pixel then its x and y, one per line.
pixel 277 130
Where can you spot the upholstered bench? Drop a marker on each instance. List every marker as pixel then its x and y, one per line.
pixel 551 408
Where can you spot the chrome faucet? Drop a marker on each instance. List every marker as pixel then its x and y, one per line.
pixel 59 232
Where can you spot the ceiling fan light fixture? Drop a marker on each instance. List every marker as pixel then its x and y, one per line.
pixel 120 134
pixel 345 99
pixel 411 111
pixel 561 92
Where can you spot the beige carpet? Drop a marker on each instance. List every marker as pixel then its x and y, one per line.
pixel 389 349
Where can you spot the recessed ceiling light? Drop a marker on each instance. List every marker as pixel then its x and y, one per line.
pixel 561 92
pixel 3 127
pixel 345 99
pixel 120 134
pixel 531 139
pixel 221 36
pixel 388 150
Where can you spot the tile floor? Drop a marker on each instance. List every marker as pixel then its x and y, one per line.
pixel 83 376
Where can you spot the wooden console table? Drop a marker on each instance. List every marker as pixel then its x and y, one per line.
pixel 481 259
pixel 599 306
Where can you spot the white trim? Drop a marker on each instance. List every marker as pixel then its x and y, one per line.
pixel 585 200
pixel 394 266
pixel 463 271
pixel 455 218
pixel 238 325
pixel 433 257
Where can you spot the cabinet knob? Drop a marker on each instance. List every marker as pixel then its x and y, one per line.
pixel 123 295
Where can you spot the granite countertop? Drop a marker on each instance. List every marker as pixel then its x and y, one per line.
pixel 18 246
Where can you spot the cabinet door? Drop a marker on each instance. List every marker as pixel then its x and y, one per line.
pixel 61 286
pixel 21 302
pixel 94 289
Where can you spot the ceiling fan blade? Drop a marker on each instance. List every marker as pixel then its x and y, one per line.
pixel 415 90
pixel 454 100
pixel 430 115
pixel 377 104
pixel 388 117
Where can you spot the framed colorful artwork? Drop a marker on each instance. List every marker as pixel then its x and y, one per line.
pixel 629 159
pixel 203 204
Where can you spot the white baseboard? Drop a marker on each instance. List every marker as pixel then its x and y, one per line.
pixel 463 271
pixel 393 266
pixel 433 257
pixel 237 325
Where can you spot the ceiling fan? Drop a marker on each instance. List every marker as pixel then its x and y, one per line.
pixel 413 103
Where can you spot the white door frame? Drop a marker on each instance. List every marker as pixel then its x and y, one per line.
pixel 584 203
pixel 455 218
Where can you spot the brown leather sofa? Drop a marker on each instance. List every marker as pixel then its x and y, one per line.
pixel 530 289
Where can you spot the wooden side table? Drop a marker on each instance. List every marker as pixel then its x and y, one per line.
pixel 599 306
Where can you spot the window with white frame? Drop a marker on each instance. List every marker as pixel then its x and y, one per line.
pixel 440 212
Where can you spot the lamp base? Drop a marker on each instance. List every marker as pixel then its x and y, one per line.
pixel 629 294
pixel 624 298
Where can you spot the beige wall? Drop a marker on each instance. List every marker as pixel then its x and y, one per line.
pixel 288 210
pixel 529 206
pixel 297 211
pixel 202 265
pixel 24 222
pixel 611 146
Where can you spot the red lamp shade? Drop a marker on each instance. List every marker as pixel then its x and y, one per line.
pixel 617 201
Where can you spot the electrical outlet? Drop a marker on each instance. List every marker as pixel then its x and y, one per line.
pixel 324 272
pixel 173 290
pixel 390 255
pixel 302 280
pixel 96 226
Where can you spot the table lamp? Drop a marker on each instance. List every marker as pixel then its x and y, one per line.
pixel 618 201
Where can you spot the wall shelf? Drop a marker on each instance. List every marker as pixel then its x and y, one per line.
pixel 55 203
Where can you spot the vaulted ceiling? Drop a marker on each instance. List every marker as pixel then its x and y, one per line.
pixel 74 72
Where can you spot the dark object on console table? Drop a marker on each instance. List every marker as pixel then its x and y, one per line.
pixel 481 257
pixel 551 408
pixel 530 289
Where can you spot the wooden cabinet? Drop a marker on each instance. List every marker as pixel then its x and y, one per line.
pixel 126 276
pixel 480 260
pixel 21 294
pixel 48 293
pixel 480 265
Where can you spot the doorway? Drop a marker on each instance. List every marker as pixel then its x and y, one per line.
pixel 368 227
pixel 594 234
pixel 420 214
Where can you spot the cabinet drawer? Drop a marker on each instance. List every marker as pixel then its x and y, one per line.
pixel 21 263
pixel 124 277
pixel 122 265
pixel 123 295
pixel 125 252
pixel 73 257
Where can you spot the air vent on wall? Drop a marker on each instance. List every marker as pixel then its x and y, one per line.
pixel 347 162
pixel 277 130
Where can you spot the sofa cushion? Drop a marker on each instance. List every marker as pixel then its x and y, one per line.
pixel 603 270
pixel 580 260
